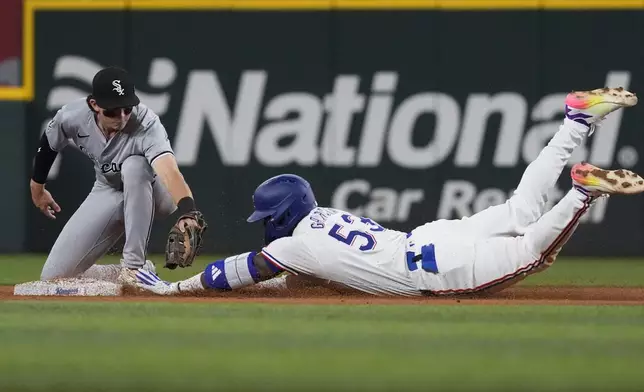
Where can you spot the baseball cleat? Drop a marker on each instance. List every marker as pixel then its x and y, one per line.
pixel 598 181
pixel 590 107
pixel 127 276
pixel 149 266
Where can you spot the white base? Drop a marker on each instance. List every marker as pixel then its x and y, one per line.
pixel 69 287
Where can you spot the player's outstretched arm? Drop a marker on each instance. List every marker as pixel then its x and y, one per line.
pixel 185 238
pixel 43 161
pixel 168 170
pixel 155 145
pixel 54 139
pixel 223 275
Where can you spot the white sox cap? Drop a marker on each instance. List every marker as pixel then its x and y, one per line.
pixel 113 88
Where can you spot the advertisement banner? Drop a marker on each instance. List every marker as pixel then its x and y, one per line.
pixel 402 116
pixel 10 43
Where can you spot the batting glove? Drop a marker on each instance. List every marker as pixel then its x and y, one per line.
pixel 149 281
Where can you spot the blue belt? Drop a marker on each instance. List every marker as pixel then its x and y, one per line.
pixel 427 258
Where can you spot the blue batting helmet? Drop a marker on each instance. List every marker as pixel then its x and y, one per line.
pixel 282 202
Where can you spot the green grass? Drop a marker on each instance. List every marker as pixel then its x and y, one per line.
pixel 591 272
pixel 154 346
pixel 565 272
pixel 69 346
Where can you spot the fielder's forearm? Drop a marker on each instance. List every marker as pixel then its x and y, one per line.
pixel 177 186
pixel 43 161
pixel 167 169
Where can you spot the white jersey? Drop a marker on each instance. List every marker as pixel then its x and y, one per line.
pixel 143 135
pixel 334 245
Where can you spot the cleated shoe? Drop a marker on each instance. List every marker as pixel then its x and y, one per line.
pixel 596 181
pixel 590 107
pixel 127 276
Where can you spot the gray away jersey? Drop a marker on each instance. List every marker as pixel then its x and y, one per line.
pixel 143 135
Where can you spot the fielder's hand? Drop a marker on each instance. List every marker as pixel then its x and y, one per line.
pixel 43 200
pixel 184 240
pixel 149 281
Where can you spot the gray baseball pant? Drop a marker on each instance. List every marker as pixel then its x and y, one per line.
pixel 104 216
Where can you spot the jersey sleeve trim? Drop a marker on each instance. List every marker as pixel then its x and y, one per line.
pixel 276 262
pixel 160 155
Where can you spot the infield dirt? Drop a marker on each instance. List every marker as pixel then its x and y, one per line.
pixel 542 295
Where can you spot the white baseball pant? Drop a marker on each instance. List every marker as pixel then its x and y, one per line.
pixel 501 245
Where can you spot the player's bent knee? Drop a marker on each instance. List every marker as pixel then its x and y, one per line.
pixel 46 275
pixel 62 265
pixel 136 170
pixel 49 273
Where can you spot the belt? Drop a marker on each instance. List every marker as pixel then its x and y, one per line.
pixel 426 257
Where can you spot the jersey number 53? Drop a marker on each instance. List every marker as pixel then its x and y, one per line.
pixel 357 232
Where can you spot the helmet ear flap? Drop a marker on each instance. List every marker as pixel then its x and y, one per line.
pixel 284 218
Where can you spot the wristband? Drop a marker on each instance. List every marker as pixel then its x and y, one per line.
pixel 185 205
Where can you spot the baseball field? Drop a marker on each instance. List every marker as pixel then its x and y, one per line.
pixel 578 326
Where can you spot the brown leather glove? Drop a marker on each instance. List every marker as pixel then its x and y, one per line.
pixel 183 246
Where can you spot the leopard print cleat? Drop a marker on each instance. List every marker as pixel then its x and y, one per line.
pixel 597 181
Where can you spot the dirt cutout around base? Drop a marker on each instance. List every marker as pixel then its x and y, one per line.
pixel 542 295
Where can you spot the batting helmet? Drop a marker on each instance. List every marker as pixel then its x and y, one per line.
pixel 282 202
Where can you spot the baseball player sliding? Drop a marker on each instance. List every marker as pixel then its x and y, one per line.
pixel 137 179
pixel 488 251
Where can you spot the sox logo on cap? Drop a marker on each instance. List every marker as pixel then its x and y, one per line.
pixel 117 87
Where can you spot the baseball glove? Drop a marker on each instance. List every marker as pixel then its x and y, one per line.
pixel 182 247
